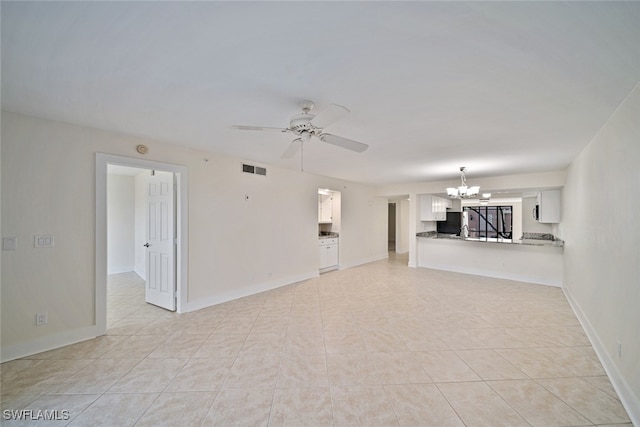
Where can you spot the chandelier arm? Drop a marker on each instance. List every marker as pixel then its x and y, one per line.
pixel 463 177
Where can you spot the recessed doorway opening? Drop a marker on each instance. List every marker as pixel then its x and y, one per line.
pixel 163 217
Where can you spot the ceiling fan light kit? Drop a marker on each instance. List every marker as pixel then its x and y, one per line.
pixel 305 125
pixel 463 191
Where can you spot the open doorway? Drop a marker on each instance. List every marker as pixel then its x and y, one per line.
pixel 126 251
pixel 391 229
pixel 140 271
pixel 329 227
pixel 398 224
pixel 126 225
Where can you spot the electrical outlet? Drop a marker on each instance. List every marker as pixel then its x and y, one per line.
pixel 9 243
pixel 46 241
pixel 42 319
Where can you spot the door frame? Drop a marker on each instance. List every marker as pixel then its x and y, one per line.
pixel 182 222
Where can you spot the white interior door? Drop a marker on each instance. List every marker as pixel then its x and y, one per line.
pixel 160 246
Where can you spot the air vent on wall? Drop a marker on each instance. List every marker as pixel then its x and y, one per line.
pixel 257 170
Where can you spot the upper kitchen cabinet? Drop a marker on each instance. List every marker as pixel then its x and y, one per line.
pixel 448 204
pixel 433 208
pixel 547 208
pixel 325 208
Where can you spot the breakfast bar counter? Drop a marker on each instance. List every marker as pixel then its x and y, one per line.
pixel 527 260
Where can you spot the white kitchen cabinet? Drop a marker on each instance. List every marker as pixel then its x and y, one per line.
pixel 433 208
pixel 448 204
pixel 548 203
pixel 328 250
pixel 325 206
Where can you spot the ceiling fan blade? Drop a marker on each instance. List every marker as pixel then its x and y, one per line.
pixel 343 142
pixel 242 127
pixel 292 149
pixel 332 113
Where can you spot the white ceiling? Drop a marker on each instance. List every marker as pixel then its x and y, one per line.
pixel 498 87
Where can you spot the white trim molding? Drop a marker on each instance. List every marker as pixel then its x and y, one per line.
pixel 629 400
pixel 363 261
pixel 182 218
pixel 247 291
pixel 46 343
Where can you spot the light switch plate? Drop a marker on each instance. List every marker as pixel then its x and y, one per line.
pixel 9 243
pixel 42 318
pixel 45 241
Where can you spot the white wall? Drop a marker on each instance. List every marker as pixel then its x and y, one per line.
pixel 601 230
pixel 402 231
pixel 336 211
pixel 369 242
pixel 120 224
pixel 236 246
pixel 505 183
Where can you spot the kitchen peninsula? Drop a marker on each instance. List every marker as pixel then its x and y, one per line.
pixel 531 260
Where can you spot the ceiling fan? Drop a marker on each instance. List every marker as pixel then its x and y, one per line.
pixel 305 125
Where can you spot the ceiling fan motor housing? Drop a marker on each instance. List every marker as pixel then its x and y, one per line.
pixel 302 123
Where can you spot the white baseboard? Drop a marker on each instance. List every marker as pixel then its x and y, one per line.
pixel 46 343
pixel 629 400
pixel 266 286
pixel 497 274
pixel 118 270
pixel 140 272
pixel 364 261
pixel 246 291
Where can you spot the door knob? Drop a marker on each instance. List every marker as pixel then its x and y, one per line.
pixel 146 245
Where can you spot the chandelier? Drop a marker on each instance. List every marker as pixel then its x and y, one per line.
pixel 463 191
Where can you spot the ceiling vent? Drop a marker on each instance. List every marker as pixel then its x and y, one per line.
pixel 256 170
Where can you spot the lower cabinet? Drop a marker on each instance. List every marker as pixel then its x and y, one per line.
pixel 328 250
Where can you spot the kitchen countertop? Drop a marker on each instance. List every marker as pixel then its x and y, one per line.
pixel 552 242
pixel 327 235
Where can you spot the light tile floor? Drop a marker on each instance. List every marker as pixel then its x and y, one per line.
pixel 380 344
